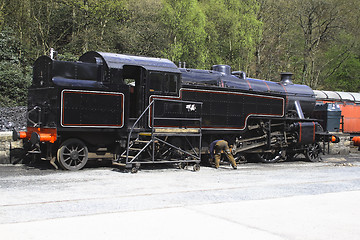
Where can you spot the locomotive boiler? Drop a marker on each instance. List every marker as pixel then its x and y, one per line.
pixel 147 110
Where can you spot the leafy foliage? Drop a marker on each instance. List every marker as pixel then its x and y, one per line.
pixel 143 32
pixel 1 13
pixel 233 31
pixel 14 77
pixel 346 74
pixel 317 40
pixel 185 24
pixel 297 36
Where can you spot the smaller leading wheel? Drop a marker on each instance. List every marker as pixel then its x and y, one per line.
pixel 72 154
pixel 312 152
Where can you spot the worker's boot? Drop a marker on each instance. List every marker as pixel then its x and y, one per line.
pixel 217 161
pixel 231 159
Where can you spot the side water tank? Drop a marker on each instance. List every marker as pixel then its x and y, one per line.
pixel 330 114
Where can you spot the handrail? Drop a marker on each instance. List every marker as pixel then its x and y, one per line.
pixel 39 116
pixel 132 129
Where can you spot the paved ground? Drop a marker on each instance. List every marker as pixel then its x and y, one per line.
pixel 289 200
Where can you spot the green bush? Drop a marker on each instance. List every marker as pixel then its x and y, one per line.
pixel 15 75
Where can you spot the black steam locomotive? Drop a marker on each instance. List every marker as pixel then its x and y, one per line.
pixel 147 110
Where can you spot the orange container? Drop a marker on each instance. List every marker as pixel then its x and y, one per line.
pixel 351 115
pixel 356 141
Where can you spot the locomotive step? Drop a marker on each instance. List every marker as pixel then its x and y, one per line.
pixel 135 149
pixel 141 141
pixel 124 156
pixel 147 134
pixel 119 164
pixel 34 152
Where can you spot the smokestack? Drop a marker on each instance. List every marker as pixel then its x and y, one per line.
pixel 286 78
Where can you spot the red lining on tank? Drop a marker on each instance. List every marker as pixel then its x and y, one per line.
pixel 219 92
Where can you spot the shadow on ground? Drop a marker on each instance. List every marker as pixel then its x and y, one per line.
pixel 19 157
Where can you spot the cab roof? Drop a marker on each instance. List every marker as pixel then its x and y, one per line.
pixel 118 61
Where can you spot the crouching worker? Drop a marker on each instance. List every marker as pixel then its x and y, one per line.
pixel 215 152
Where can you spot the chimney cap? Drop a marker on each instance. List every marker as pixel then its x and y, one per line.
pixel 287 73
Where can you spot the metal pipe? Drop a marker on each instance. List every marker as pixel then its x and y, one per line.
pixel 299 110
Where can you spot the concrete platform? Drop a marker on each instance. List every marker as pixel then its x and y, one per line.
pixel 326 216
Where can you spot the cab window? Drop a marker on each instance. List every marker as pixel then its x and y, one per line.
pixel 156 82
pixel 164 83
pixel 172 85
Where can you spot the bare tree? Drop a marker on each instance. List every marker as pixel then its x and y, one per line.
pixel 320 22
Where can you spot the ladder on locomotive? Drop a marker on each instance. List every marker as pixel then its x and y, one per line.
pixel 153 145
